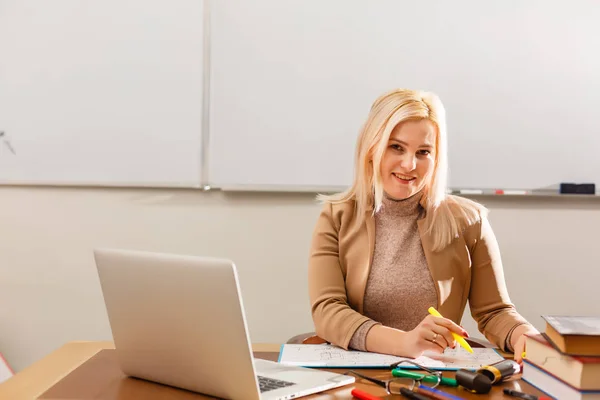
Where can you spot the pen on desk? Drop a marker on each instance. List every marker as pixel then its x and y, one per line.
pixel 412 395
pixel 522 395
pixel 436 393
pixel 400 373
pixel 461 340
pixel 359 394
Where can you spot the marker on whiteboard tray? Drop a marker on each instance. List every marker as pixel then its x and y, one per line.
pixel 577 188
pixel 512 192
pixel 470 191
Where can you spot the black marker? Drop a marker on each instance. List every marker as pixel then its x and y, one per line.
pixel 522 395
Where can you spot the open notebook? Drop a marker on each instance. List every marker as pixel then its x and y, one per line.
pixel 329 356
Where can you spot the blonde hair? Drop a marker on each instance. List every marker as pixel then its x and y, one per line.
pixel 446 216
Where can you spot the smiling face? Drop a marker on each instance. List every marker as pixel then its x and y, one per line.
pixel 409 158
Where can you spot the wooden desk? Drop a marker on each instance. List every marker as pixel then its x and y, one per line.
pixel 34 380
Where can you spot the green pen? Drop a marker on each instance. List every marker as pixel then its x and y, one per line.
pixel 401 373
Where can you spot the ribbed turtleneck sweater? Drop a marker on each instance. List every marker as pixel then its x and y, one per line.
pixel 399 288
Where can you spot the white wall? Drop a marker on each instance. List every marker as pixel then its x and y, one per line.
pixel 49 291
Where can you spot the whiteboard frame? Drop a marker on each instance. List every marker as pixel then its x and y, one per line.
pixel 205 137
pixel 203 151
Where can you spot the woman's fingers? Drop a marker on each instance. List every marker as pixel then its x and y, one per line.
pixel 450 325
pixel 444 336
pixel 434 340
pixel 436 333
pixel 519 349
pixel 434 346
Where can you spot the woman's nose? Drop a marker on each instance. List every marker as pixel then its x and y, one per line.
pixel 408 163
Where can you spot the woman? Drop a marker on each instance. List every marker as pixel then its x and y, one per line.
pixel 395 244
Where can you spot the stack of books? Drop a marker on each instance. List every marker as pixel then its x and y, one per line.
pixel 564 361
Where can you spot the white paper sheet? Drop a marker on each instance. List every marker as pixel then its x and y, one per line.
pixel 328 356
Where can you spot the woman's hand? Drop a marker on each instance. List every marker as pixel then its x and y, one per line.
pixel 517 339
pixel 434 334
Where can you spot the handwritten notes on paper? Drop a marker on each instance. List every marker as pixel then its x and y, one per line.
pixel 329 356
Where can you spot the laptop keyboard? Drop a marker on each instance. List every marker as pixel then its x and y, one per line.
pixel 267 384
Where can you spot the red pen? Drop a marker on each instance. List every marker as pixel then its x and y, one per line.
pixel 359 394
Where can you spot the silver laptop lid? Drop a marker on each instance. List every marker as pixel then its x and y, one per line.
pixel 178 320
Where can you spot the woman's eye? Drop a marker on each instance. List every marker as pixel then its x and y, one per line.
pixel 424 152
pixel 396 147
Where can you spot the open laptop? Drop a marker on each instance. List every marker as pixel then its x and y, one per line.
pixel 179 320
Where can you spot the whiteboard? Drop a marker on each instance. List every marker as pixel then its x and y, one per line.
pixel 101 92
pixel 292 82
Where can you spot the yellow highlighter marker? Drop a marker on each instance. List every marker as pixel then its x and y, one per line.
pixel 461 340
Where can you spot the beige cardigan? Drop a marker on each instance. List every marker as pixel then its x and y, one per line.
pixel 469 268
